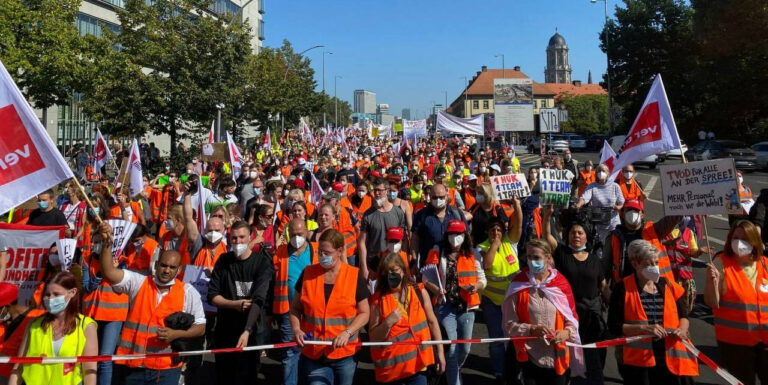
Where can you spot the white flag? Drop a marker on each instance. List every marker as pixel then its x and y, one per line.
pixel 29 161
pixel 235 156
pixel 66 253
pixel 201 198
pixel 653 131
pixel 134 169
pixel 122 231
pixel 316 195
pixel 607 156
pixel 101 153
pixel 212 133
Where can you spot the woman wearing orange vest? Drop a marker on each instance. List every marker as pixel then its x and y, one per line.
pixel 462 278
pixel 647 303
pixel 361 202
pixel 629 186
pixel 333 306
pixel 402 311
pixel 586 177
pixel 737 292
pixel 142 251
pixel 539 303
pixel 61 332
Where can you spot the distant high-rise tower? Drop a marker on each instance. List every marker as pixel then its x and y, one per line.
pixel 406 114
pixel 558 68
pixel 365 102
pixel 589 78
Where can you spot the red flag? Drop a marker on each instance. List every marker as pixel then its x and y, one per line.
pixel 607 156
pixel 235 156
pixel 101 153
pixel 317 191
pixel 267 140
pixel 212 133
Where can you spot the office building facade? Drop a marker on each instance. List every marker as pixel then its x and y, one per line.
pixel 364 102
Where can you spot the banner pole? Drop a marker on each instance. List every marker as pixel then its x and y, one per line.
pixel 706 236
pixel 10 215
pixel 87 199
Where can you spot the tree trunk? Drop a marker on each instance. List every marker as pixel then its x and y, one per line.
pixel 173 137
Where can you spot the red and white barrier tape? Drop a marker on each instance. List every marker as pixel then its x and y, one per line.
pixel 601 344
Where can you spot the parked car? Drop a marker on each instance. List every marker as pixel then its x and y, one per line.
pixel 557 142
pixel 576 142
pixel 745 157
pixel 761 151
pixel 595 141
pixel 649 161
pixel 676 153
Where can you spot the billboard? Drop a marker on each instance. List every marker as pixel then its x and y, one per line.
pixel 513 104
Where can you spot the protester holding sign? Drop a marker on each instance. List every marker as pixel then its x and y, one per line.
pixel 737 292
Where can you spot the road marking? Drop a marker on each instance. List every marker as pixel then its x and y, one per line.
pixel 651 185
pixel 715 240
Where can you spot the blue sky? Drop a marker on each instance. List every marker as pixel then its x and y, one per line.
pixel 409 51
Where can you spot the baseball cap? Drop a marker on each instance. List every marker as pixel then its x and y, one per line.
pixel 332 195
pixel 337 186
pixel 496 167
pixel 456 226
pixel 376 174
pixel 8 293
pixel 302 161
pixel 633 204
pixel 298 183
pixel 471 177
pixel 394 233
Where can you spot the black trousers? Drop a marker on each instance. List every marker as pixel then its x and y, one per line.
pixel 534 375
pixel 745 362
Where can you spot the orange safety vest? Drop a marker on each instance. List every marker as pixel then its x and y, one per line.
pixel 135 208
pixel 396 362
pixel 588 177
pixel 139 335
pixel 283 217
pixel 680 361
pixel 364 206
pixel 469 198
pixel 562 355
pixel 182 244
pixel 207 257
pixel 745 193
pixel 155 201
pixel 536 221
pixel 115 212
pixel 10 345
pixel 451 196
pixel 742 317
pixel 327 320
pixel 280 303
pixel 168 198
pixel 344 226
pixel 104 304
pixel 140 261
pixel 465 272
pixel 631 192
pixel 649 234
pixel 509 209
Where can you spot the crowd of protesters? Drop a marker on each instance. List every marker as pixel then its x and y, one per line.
pixel 380 240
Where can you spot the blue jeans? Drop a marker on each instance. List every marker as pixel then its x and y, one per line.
pixel 152 377
pixel 457 326
pixel 492 316
pixel 290 355
pixel 108 333
pixel 416 379
pixel 340 372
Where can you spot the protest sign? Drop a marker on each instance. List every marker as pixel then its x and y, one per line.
pixel 66 253
pixel 511 185
pixel 121 234
pixel 706 187
pixel 27 254
pixel 555 187
pixel 213 152
pixel 196 276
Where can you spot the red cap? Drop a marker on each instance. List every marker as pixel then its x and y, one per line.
pixel 394 233
pixel 376 174
pixel 465 180
pixel 633 204
pixel 456 226
pixel 337 186
pixel 382 164
pixel 298 183
pixel 8 293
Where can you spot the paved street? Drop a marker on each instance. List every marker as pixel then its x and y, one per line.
pixel 477 368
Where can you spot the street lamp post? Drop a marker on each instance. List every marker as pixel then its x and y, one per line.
pixel 446 99
pixel 503 68
pixel 466 99
pixel 335 102
pixel 219 107
pixel 607 67
pixel 325 124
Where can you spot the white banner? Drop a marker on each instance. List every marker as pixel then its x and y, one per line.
pixel 196 276
pixel 122 231
pixel 511 185
pixel 706 188
pixel 28 248
pixel 449 124
pixel 513 104
pixel 65 248
pixel 134 169
pixel 29 161
pixel 555 187
pixel 413 129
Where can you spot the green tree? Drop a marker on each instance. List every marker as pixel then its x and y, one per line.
pixel 41 48
pixel 587 114
pixel 329 107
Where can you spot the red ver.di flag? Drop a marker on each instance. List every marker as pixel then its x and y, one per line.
pixel 235 156
pixel 101 153
pixel 28 248
pixel 29 161
pixel 653 132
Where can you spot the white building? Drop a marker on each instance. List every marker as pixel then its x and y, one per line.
pixel 67 125
pixel 365 102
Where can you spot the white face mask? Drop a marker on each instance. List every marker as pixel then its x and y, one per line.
pixel 651 273
pixel 438 203
pixel 632 217
pixel 240 248
pixel 741 180
pixel 741 247
pixel 628 175
pixel 253 174
pixel 602 175
pixel 380 202
pixel 213 236
pixel 482 169
pixel 567 157
pixel 361 194
pixel 297 241
pixel 394 247
pixel 456 239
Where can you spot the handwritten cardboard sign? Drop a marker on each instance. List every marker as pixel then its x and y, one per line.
pixel 555 187
pixel 510 185
pixel 705 188
pixel 122 231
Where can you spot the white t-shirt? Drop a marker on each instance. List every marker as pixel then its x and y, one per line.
pixel 132 282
